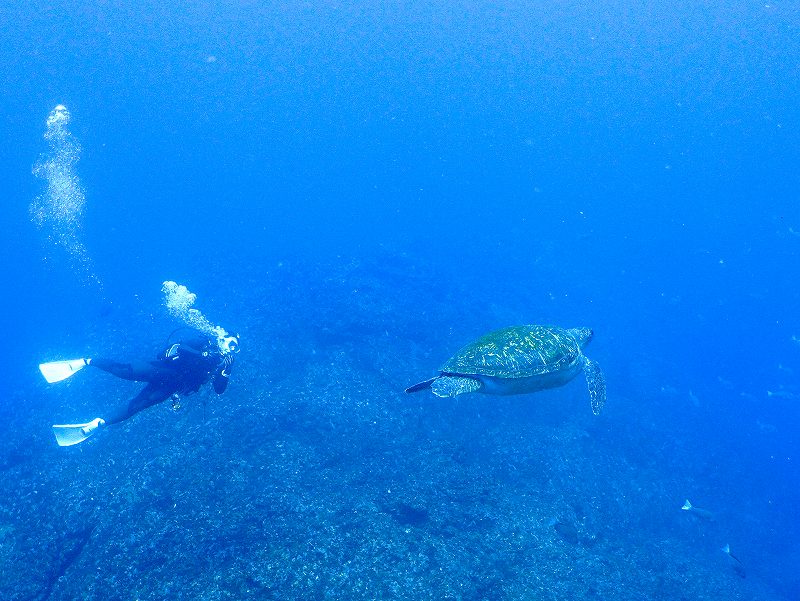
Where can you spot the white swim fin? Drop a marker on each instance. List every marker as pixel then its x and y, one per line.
pixel 70 434
pixel 56 371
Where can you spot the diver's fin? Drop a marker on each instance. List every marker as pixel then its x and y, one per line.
pixel 70 434
pixel 421 385
pixel 596 383
pixel 727 550
pixel 55 371
pixel 737 564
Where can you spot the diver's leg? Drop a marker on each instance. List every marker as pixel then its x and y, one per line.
pixel 152 394
pixel 138 371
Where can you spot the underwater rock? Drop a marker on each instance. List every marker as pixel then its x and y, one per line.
pixel 567 531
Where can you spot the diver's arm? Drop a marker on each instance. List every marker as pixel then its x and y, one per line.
pixel 222 374
pixel 220 381
pixel 178 349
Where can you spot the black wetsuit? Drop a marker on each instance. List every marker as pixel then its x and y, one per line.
pixel 181 368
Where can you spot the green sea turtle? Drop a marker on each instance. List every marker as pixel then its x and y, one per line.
pixel 518 360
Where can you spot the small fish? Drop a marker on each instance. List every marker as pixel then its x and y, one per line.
pixel 725 383
pixel 738 566
pixel 765 427
pixel 703 514
pixel 782 394
pixel 796 340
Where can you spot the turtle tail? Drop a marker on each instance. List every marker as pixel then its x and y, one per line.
pixel 421 385
pixel 596 383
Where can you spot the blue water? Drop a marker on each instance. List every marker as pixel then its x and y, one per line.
pixel 360 189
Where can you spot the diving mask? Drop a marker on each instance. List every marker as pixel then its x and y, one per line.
pixel 228 344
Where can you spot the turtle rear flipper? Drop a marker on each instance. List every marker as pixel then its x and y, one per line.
pixel 421 385
pixel 445 386
pixel 596 383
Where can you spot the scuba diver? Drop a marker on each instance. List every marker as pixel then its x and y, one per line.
pixel 181 368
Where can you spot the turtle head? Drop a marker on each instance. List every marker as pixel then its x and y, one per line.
pixel 582 335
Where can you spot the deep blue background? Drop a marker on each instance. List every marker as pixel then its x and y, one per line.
pixel 634 169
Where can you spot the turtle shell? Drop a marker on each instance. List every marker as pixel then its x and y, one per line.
pixel 516 352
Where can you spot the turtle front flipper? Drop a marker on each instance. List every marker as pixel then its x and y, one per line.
pixel 445 386
pixel 596 383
